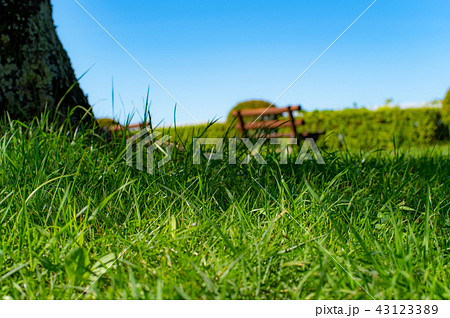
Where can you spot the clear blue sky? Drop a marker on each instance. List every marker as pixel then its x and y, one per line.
pixel 212 54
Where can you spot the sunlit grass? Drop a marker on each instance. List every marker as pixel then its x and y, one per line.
pixel 363 225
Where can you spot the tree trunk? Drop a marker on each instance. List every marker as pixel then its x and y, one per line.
pixel 35 70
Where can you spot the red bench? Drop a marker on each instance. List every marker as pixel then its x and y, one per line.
pixel 268 127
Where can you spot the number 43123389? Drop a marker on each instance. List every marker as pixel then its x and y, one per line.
pixel 407 309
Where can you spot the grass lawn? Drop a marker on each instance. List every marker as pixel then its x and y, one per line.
pixel 78 223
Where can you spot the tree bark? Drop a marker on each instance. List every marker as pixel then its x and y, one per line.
pixel 35 70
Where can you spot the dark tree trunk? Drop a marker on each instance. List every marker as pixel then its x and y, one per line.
pixel 35 70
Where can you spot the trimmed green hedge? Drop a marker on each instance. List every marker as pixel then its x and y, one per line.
pixel 365 129
pixel 446 108
pixel 356 129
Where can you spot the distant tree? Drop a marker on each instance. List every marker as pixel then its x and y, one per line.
pixel 446 108
pixel 35 70
pixel 250 104
pixel 388 102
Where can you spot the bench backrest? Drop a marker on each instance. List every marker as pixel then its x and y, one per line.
pixel 268 124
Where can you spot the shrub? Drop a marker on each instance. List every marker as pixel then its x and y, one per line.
pixel 446 109
pixel 105 122
pixel 365 129
pixel 355 129
pixel 251 104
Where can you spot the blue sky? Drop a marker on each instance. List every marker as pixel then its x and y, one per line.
pixel 211 55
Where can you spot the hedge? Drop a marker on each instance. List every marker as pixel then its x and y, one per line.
pixel 446 108
pixel 366 129
pixel 355 129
